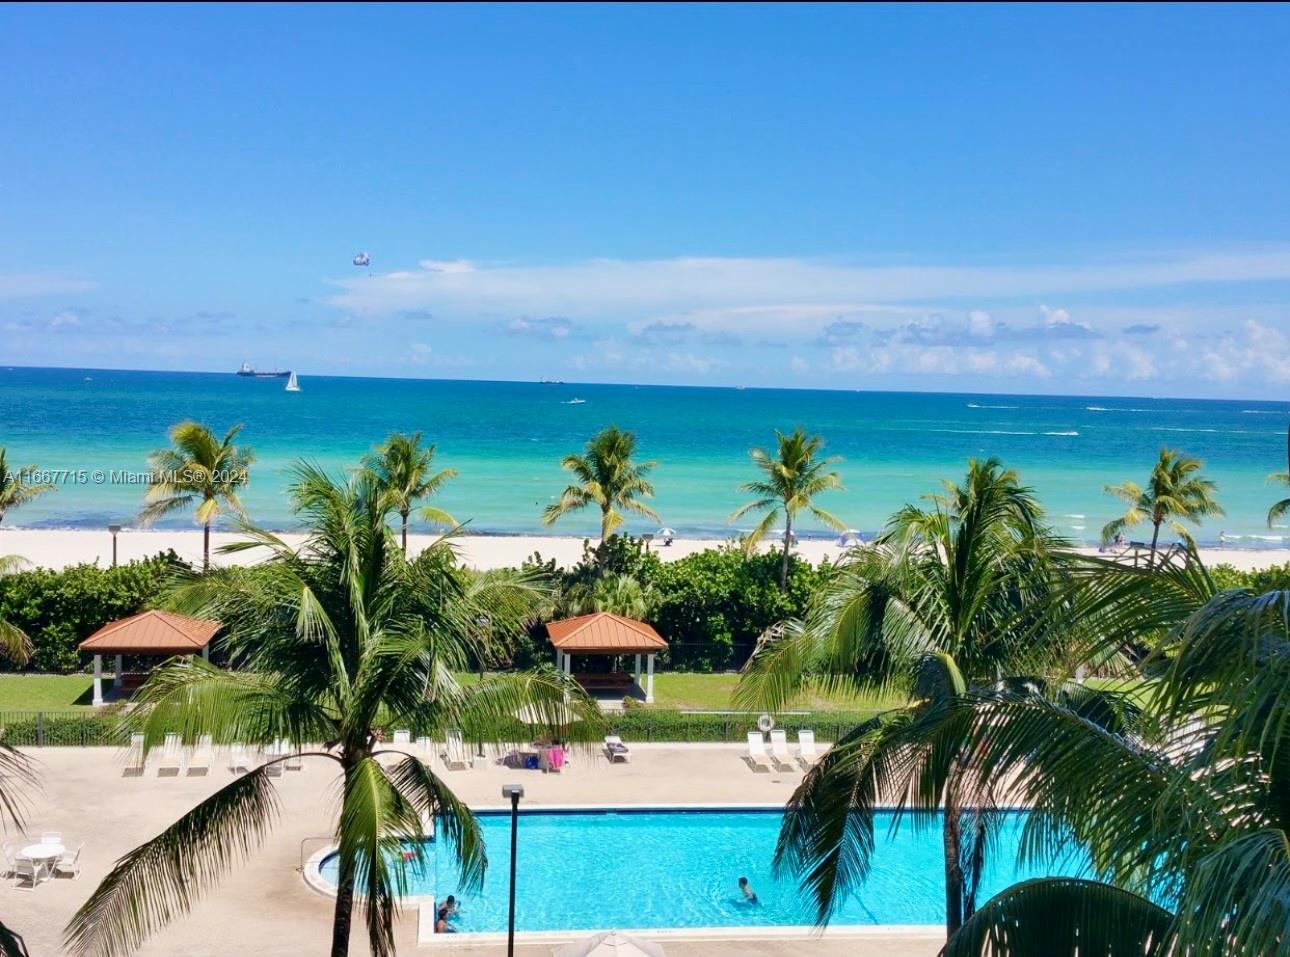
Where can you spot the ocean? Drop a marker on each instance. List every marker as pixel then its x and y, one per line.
pixel 507 439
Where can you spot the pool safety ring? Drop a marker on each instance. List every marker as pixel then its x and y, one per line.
pixel 765 724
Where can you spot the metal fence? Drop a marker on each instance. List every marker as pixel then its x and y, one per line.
pixel 71 729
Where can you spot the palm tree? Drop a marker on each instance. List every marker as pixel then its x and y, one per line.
pixel 201 469
pixel 14 643
pixel 1175 493
pixel 405 472
pixel 794 476
pixel 952 597
pixel 332 643
pixel 15 490
pixel 606 477
pixel 1188 811
pixel 1280 508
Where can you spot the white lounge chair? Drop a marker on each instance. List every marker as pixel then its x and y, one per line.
pixel 455 753
pixel 239 758
pixel 294 761
pixel 26 873
pixel 779 752
pixel 806 750
pixel 203 756
pixel 172 755
pixel 70 863
pixel 402 738
pixel 758 757
pixel 615 750
pixel 424 747
pixel 136 758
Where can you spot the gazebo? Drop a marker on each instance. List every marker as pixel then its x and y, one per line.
pixel 155 634
pixel 603 633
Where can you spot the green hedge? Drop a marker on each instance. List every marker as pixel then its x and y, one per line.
pixel 60 609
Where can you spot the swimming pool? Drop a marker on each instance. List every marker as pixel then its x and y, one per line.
pixel 597 869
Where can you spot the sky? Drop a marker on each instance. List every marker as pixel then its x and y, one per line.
pixel 1090 200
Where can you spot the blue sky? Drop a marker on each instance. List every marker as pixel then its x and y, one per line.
pixel 1079 199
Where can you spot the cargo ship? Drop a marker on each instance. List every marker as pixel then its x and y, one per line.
pixel 248 370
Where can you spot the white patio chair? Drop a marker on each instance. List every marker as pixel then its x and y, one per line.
pixel 203 755
pixel 136 758
pixel 807 753
pixel 757 755
pixel 26 873
pixel 615 750
pixel 239 758
pixel 779 752
pixel 172 755
pixel 10 856
pixel 70 863
pixel 455 753
pixel 51 837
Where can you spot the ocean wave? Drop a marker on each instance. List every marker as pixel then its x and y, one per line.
pixel 1173 428
pixel 1067 432
pixel 1107 408
pixel 1074 515
pixel 974 405
pixel 1263 411
pixel 981 431
pixel 1259 538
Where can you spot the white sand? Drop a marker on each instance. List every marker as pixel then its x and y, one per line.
pixel 57 548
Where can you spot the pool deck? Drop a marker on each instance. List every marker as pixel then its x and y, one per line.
pixel 265 907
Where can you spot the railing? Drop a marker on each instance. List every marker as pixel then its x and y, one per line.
pixel 70 729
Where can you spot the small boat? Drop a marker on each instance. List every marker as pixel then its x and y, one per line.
pixel 248 371
pixel 575 402
pixel 293 385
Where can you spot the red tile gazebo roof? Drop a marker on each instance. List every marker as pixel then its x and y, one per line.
pixel 152 633
pixel 603 633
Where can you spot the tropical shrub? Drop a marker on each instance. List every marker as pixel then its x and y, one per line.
pixel 60 609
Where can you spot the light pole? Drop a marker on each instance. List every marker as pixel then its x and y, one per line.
pixel 514 792
pixel 114 529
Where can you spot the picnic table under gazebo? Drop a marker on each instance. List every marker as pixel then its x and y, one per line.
pixel 151 634
pixel 603 633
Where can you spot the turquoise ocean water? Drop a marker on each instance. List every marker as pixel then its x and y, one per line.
pixel 506 439
pixel 589 870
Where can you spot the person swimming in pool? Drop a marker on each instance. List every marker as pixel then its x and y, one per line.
pixel 749 894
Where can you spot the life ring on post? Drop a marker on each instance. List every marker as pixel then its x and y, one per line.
pixel 765 724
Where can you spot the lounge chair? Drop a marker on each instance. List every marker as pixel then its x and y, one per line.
pixel 26 872
pixel 615 750
pixel 779 752
pixel 203 756
pixel 172 755
pixel 424 747
pixel 455 753
pixel 403 738
pixel 136 758
pixel 758 757
pixel 806 750
pixel 70 863
pixel 239 758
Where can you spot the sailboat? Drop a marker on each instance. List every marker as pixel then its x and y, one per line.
pixel 292 384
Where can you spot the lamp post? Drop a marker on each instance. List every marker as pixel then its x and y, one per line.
pixel 514 792
pixel 114 529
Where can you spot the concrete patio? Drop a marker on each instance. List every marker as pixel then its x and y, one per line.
pixel 264 906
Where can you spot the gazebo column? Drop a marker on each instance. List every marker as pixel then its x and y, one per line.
pixel 206 652
pixel 649 680
pixel 559 660
pixel 638 671
pixel 120 666
pixel 98 679
pixel 568 663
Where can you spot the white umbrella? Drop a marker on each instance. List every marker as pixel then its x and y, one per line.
pixel 609 944
pixel 850 537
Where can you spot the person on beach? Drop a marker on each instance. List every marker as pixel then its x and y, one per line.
pixel 749 894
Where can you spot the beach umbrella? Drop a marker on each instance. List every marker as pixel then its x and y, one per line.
pixel 850 537
pixel 665 533
pixel 609 944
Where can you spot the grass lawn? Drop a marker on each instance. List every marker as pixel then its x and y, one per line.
pixel 47 692
pixel 697 692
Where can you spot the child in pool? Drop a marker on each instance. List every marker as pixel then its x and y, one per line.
pixel 750 896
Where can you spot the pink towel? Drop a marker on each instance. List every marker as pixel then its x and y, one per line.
pixel 555 758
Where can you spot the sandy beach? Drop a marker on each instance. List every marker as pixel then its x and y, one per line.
pixel 58 548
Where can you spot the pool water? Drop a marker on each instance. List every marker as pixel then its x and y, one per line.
pixel 598 869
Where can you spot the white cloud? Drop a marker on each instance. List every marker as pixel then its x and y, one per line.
pixel 30 285
pixel 799 365
pixel 689 362
pixel 980 324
